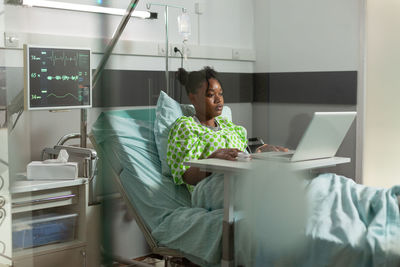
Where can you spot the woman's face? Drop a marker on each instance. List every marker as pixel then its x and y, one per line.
pixel 208 102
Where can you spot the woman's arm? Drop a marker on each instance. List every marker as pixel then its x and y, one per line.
pixel 194 175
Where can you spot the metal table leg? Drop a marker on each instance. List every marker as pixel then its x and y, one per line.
pixel 227 227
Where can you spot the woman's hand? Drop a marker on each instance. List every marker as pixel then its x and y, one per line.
pixel 194 175
pixel 225 153
pixel 271 148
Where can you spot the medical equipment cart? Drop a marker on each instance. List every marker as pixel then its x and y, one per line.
pixel 49 223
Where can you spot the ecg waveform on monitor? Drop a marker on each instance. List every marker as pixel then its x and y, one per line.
pixel 64 96
pixel 55 57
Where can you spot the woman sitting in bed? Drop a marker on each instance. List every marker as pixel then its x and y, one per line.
pixel 206 134
pixel 347 224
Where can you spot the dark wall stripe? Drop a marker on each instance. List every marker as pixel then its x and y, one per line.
pixel 339 87
pixel 141 88
pixel 261 87
pixel 128 88
pixel 237 87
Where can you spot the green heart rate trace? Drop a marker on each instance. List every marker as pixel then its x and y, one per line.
pixel 63 77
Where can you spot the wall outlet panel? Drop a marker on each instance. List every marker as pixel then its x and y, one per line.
pixel 11 40
pixel 134 48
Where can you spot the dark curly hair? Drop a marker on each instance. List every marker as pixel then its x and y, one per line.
pixel 195 79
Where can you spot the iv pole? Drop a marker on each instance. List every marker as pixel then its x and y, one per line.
pixel 102 64
pixel 107 54
pixel 166 9
pixel 96 76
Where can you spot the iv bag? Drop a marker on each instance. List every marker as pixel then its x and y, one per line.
pixel 184 25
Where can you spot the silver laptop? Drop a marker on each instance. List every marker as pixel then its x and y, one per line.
pixel 322 138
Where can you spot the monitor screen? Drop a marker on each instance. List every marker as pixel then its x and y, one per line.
pixel 58 78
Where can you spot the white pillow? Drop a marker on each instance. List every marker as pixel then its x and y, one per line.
pixel 167 112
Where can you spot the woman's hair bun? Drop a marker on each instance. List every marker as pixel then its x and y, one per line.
pixel 182 76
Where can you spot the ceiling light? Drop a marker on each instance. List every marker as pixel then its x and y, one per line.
pixel 87 8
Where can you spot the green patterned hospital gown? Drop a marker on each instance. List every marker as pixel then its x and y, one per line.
pixel 189 140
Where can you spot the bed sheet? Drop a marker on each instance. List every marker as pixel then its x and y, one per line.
pixel 352 224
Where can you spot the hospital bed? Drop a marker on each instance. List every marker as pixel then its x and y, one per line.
pixel 341 230
pixel 125 142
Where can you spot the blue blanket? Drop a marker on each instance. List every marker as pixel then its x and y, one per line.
pixel 346 224
pixel 351 224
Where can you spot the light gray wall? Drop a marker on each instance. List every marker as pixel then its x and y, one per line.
pixel 306 35
pixel 206 28
pixel 303 36
pixel 242 115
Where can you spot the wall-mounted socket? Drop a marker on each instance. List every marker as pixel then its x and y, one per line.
pixel 175 54
pixel 161 49
pixel 235 54
pixel 11 39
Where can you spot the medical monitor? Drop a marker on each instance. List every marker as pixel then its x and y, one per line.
pixel 57 78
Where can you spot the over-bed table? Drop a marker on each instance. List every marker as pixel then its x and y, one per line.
pixel 229 169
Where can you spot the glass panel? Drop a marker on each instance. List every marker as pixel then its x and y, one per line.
pixel 5 199
pixel 307 61
pixel 256 72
